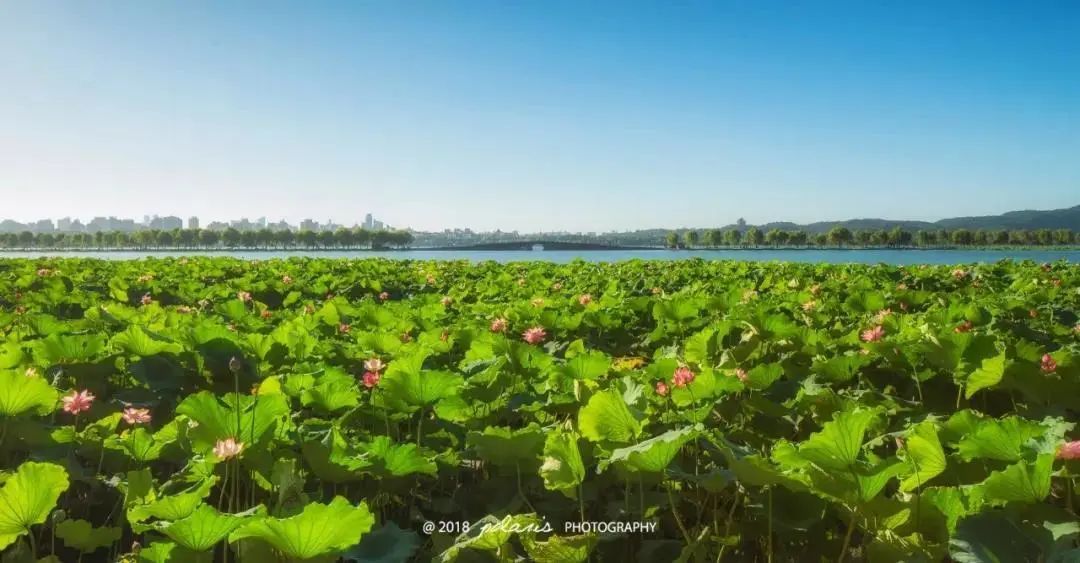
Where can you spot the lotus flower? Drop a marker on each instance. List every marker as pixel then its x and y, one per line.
pixel 406 337
pixel 136 416
pixel 374 364
pixel 809 306
pixel 1069 450
pixel 145 278
pixel 1045 266
pixel 959 274
pixel 183 309
pixel 880 316
pixel 43 272
pixel 521 282
pixel 550 465
pixel 682 377
pixel 77 401
pixel 534 335
pixel 446 301
pixel 499 325
pixel 228 448
pixel 344 328
pixel 741 374
pixel 963 327
pixel 556 286
pixel 584 299
pixel 384 296
pixel 430 280
pixel 243 296
pixel 146 299
pixel 873 334
pixel 371 379
pixel 538 302
pixel 815 289
pixel 661 388
pixel 1048 364
pixel 1033 313
pixel 657 291
pixel 265 313
pixel 1055 282
pixel 286 279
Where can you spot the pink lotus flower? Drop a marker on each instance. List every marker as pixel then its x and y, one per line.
pixel 446 301
pixel 963 327
pixel 243 296
pixel 136 416
pixel 431 280
pixel 661 388
pixel 146 299
pixel 741 374
pixel 286 279
pixel 444 336
pixel 534 335
pixel 521 282
pixel 374 364
pixel 1048 364
pixel 228 448
pixel 809 306
pixel 1069 450
pixel 344 328
pixel 657 291
pixel 682 377
pixel 43 272
pixel 384 296
pixel 183 309
pixel 538 302
pixel 901 287
pixel 145 278
pixel 815 289
pixel 1055 282
pixel 77 401
pixel 371 379
pixel 959 274
pixel 556 286
pixel 584 299
pixel 873 334
pixel 499 325
pixel 265 313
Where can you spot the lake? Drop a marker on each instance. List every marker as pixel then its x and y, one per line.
pixel 833 256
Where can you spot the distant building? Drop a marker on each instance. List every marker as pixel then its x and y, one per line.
pixel 193 222
pixel 309 225
pixel 378 226
pixel 369 222
pixel 63 225
pixel 166 223
pixel 43 226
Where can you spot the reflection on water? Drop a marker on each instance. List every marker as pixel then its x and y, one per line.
pixel 561 256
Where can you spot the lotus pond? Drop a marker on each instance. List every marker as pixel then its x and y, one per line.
pixel 214 409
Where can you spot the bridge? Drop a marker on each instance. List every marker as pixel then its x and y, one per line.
pixel 540 245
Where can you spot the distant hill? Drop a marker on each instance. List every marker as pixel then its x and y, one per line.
pixel 1029 219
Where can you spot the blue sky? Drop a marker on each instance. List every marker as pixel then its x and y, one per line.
pixel 544 115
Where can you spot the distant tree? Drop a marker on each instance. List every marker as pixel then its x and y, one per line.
pixel 1019 237
pixel 691 238
pixel 671 240
pixel 363 237
pixel 26 239
pixel 1063 236
pixel 732 237
pixel 839 236
pixel 249 239
pixel 231 237
pixel 982 238
pixel 772 238
pixel 798 238
pixel 941 236
pixel 879 237
pixel 1000 237
pixel 265 238
pixel 962 237
pixel 821 239
pixel 714 238
pixel 864 237
pixel 307 239
pixel 163 239
pixel 188 237
pixel 1044 237
pixel 754 236
pixel 285 238
pixel 208 238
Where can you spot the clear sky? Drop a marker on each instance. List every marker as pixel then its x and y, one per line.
pixel 541 115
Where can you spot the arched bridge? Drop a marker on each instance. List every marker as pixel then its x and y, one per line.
pixel 541 245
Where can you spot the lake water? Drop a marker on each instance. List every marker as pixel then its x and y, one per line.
pixel 834 256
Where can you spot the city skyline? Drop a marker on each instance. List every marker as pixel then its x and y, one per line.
pixel 173 222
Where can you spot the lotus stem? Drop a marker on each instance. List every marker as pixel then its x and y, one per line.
pixel 847 537
pixel 678 519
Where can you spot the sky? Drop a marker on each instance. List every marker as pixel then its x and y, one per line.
pixel 538 115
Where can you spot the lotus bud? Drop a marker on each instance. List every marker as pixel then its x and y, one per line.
pixel 577 390
pixel 235 364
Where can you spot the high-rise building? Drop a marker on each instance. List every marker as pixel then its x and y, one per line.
pixel 309 225
pixel 64 224
pixel 193 222
pixel 369 222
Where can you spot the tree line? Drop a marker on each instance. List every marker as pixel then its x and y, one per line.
pixel 895 238
pixel 205 239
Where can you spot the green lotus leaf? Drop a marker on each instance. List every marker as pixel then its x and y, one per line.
pixel 175 506
pixel 20 394
pixel 924 456
pixel 397 460
pixel 559 549
pixel 169 552
pixel 507 447
pixel 1024 481
pixel 562 468
pixel 334 391
pixel 837 445
pixel 406 387
pixel 319 530
pixel 606 418
pixel 216 417
pixel 487 534
pixel 385 544
pixel 332 459
pixel 11 355
pixel 762 376
pixel 655 454
pixel 27 497
pixel 139 342
pixel 68 348
pixel 589 365
pixel 986 376
pixel 205 527
pixel 1002 440
pixel 84 537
